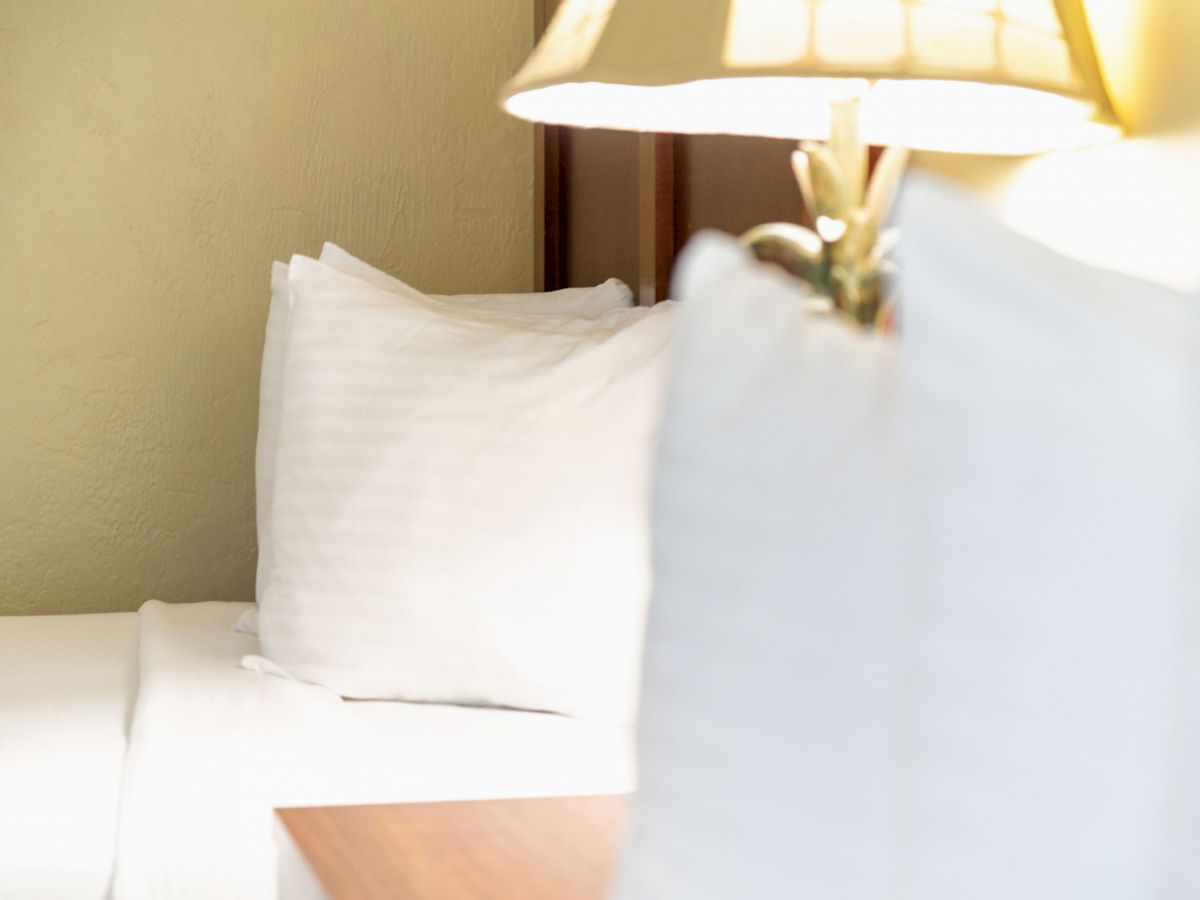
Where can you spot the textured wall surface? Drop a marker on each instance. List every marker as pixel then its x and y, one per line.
pixel 155 156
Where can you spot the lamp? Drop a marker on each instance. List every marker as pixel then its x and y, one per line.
pixel 979 76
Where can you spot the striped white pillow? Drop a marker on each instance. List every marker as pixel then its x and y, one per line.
pixel 578 301
pixel 586 301
pixel 460 504
pixel 270 399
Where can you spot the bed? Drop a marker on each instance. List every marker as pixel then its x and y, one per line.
pixel 182 806
pixel 142 754
pixel 67 686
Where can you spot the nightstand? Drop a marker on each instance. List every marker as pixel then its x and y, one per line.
pixel 529 849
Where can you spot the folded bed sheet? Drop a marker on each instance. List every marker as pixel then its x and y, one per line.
pixel 214 747
pixel 66 692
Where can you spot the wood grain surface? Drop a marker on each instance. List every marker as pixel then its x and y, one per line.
pixel 529 849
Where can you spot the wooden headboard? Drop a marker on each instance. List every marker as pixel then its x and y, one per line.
pixel 610 203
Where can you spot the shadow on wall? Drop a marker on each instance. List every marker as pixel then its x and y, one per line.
pixel 155 156
pixel 1133 206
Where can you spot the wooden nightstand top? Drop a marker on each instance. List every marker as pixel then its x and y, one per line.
pixel 536 849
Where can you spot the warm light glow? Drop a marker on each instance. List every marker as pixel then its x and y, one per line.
pixel 578 26
pixel 964 117
pixel 951 116
pixel 720 106
pixel 980 76
pixel 1038 13
pixel 1140 224
pixel 771 32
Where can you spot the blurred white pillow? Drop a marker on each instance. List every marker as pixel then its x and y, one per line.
pixel 769 707
pixel 975 674
pixel 587 301
pixel 1054 434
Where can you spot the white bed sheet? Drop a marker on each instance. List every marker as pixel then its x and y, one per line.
pixel 66 692
pixel 214 747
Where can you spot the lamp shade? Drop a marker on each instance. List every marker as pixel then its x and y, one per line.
pixel 982 76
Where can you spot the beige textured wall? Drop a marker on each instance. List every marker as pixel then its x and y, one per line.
pixel 155 156
pixel 1133 206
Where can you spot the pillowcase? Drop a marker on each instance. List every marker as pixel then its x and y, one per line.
pixel 460 504
pixel 592 301
pixel 1053 692
pixel 270 394
pixel 582 301
pixel 966 669
pixel 768 711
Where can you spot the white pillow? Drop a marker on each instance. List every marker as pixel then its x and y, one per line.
pixel 1011 707
pixel 460 503
pixel 768 712
pixel 584 301
pixel 590 301
pixel 270 394
pixel 1054 424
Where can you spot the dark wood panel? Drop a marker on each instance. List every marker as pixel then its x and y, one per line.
pixel 733 184
pixel 549 252
pixel 656 216
pixel 629 202
pixel 617 204
pixel 599 221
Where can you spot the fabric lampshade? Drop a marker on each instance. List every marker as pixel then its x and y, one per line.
pixel 984 76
